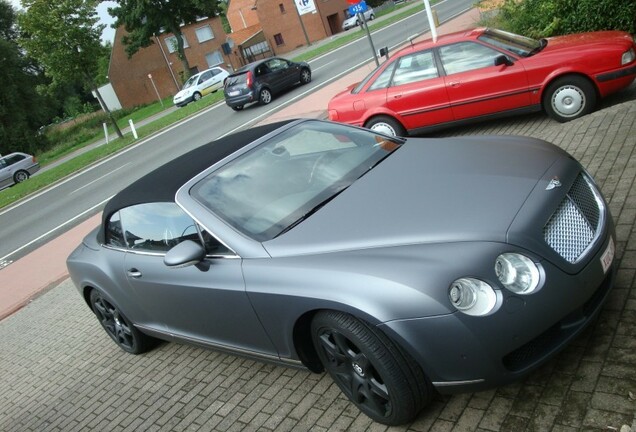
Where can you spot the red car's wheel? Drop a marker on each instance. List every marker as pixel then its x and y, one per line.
pixel 569 97
pixel 386 125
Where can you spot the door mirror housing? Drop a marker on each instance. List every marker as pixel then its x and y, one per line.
pixel 503 60
pixel 184 254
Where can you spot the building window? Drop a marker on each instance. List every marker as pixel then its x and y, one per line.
pixel 278 38
pixel 214 58
pixel 171 43
pixel 281 7
pixel 204 33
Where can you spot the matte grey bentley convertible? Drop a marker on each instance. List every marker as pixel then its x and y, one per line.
pixel 400 266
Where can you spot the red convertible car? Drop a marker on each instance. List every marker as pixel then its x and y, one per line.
pixel 485 73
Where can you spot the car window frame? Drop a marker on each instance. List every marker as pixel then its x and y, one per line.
pixel 200 234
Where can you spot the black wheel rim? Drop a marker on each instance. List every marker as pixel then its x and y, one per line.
pixel 20 177
pixel 354 373
pixel 114 323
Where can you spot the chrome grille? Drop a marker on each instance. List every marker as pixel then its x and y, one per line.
pixel 577 221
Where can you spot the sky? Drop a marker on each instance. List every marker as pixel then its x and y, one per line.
pixel 102 10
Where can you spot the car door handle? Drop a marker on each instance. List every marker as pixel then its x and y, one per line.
pixel 455 83
pixel 133 273
pixel 397 96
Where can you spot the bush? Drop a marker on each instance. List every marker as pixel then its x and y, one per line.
pixel 544 18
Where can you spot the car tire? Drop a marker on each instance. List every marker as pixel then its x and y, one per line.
pixel 375 374
pixel 238 108
pixel 196 96
pixel 20 176
pixel 386 125
pixel 265 96
pixel 372 17
pixel 118 327
pixel 569 98
pixel 305 76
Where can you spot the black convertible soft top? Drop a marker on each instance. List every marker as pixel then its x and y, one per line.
pixel 162 184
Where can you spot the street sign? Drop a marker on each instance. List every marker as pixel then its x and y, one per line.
pixel 358 8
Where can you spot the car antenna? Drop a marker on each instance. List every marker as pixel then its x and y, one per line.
pixel 411 38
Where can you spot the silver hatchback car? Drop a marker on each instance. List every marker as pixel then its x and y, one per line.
pixel 16 168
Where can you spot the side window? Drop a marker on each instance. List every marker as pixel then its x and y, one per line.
pixel 213 246
pixel 3 164
pixel 114 232
pixel 156 227
pixel 383 80
pixel 13 159
pixel 415 67
pixel 205 76
pixel 467 56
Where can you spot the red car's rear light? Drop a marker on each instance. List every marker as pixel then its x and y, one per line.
pixel 248 80
pixel 33 159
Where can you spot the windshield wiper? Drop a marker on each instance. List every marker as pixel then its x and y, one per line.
pixel 542 44
pixel 311 211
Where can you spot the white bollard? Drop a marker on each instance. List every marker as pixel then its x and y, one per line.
pixel 132 128
pixel 106 132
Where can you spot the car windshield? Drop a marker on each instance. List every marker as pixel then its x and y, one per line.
pixel 514 43
pixel 272 187
pixel 190 82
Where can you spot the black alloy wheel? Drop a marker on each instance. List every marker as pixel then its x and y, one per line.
pixel 118 327
pixel 380 379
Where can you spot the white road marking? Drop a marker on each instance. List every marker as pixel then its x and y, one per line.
pixel 99 178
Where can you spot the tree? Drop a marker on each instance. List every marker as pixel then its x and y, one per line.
pixel 143 19
pixel 22 109
pixel 544 18
pixel 64 37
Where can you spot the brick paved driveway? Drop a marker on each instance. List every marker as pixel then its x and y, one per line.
pixel 59 370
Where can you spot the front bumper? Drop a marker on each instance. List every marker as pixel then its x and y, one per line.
pixel 182 101
pixel 460 353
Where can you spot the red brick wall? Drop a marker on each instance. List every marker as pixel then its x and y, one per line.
pixel 288 26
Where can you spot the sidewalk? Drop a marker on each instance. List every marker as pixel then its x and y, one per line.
pixel 50 259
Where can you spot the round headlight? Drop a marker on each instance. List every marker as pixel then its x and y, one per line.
pixel 518 273
pixel 472 296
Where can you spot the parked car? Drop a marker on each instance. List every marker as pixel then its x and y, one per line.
pixel 261 80
pixel 16 168
pixel 484 73
pixel 354 21
pixel 199 85
pixel 398 265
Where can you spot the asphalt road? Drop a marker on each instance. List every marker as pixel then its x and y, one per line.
pixel 38 219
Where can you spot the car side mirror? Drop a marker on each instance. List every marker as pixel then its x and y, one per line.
pixel 503 60
pixel 184 254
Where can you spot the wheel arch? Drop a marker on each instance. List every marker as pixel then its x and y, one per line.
pixel 302 339
pixel 550 79
pixel 380 113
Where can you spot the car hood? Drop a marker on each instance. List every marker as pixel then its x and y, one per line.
pixel 588 40
pixel 428 191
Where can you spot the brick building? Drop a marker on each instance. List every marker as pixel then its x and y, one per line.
pixel 129 77
pixel 261 28
pixel 280 26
